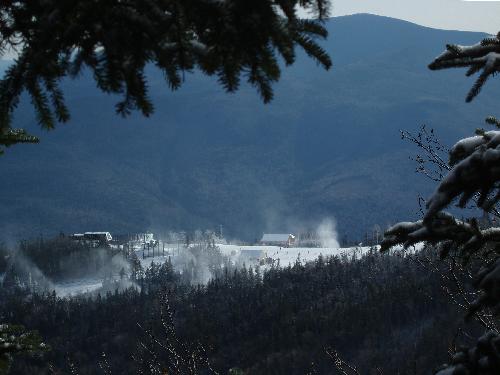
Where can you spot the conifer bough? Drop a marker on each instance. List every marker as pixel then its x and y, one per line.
pixel 473 176
pixel 117 39
pixel 14 340
pixel 482 57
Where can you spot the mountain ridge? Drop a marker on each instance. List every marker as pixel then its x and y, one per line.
pixel 327 146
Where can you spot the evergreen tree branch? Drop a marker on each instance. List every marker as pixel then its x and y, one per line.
pixel 15 340
pixel 482 57
pixel 117 40
pixel 11 137
pixel 481 359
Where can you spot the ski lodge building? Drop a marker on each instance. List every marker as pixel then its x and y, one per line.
pixel 95 239
pixel 275 239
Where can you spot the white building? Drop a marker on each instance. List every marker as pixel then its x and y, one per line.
pixel 104 237
pixel 275 239
pixel 94 239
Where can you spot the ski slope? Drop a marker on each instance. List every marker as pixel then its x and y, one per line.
pixel 283 257
pixel 264 256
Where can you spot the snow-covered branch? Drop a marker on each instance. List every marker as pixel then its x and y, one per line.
pixel 474 176
pixel 476 169
pixel 442 228
pixel 9 137
pixel 482 57
pixel 488 281
pixel 482 359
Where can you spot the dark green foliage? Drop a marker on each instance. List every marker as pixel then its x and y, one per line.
pixel 15 340
pixel 278 323
pixel 9 137
pixel 481 359
pixel 116 40
pixel 61 258
pixel 493 121
pixel 164 352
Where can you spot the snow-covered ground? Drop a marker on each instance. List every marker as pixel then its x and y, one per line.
pixel 249 256
pixel 283 256
pixel 76 287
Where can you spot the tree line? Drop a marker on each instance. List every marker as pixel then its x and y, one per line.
pixel 379 312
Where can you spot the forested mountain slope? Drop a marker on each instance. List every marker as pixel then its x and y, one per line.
pixel 281 322
pixel 328 145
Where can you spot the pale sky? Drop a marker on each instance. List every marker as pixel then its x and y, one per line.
pixel 442 14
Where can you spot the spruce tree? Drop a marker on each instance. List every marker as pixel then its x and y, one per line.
pixel 115 40
pixel 473 178
pixel 14 340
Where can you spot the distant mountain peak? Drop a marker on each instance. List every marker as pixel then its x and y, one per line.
pixel 328 146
